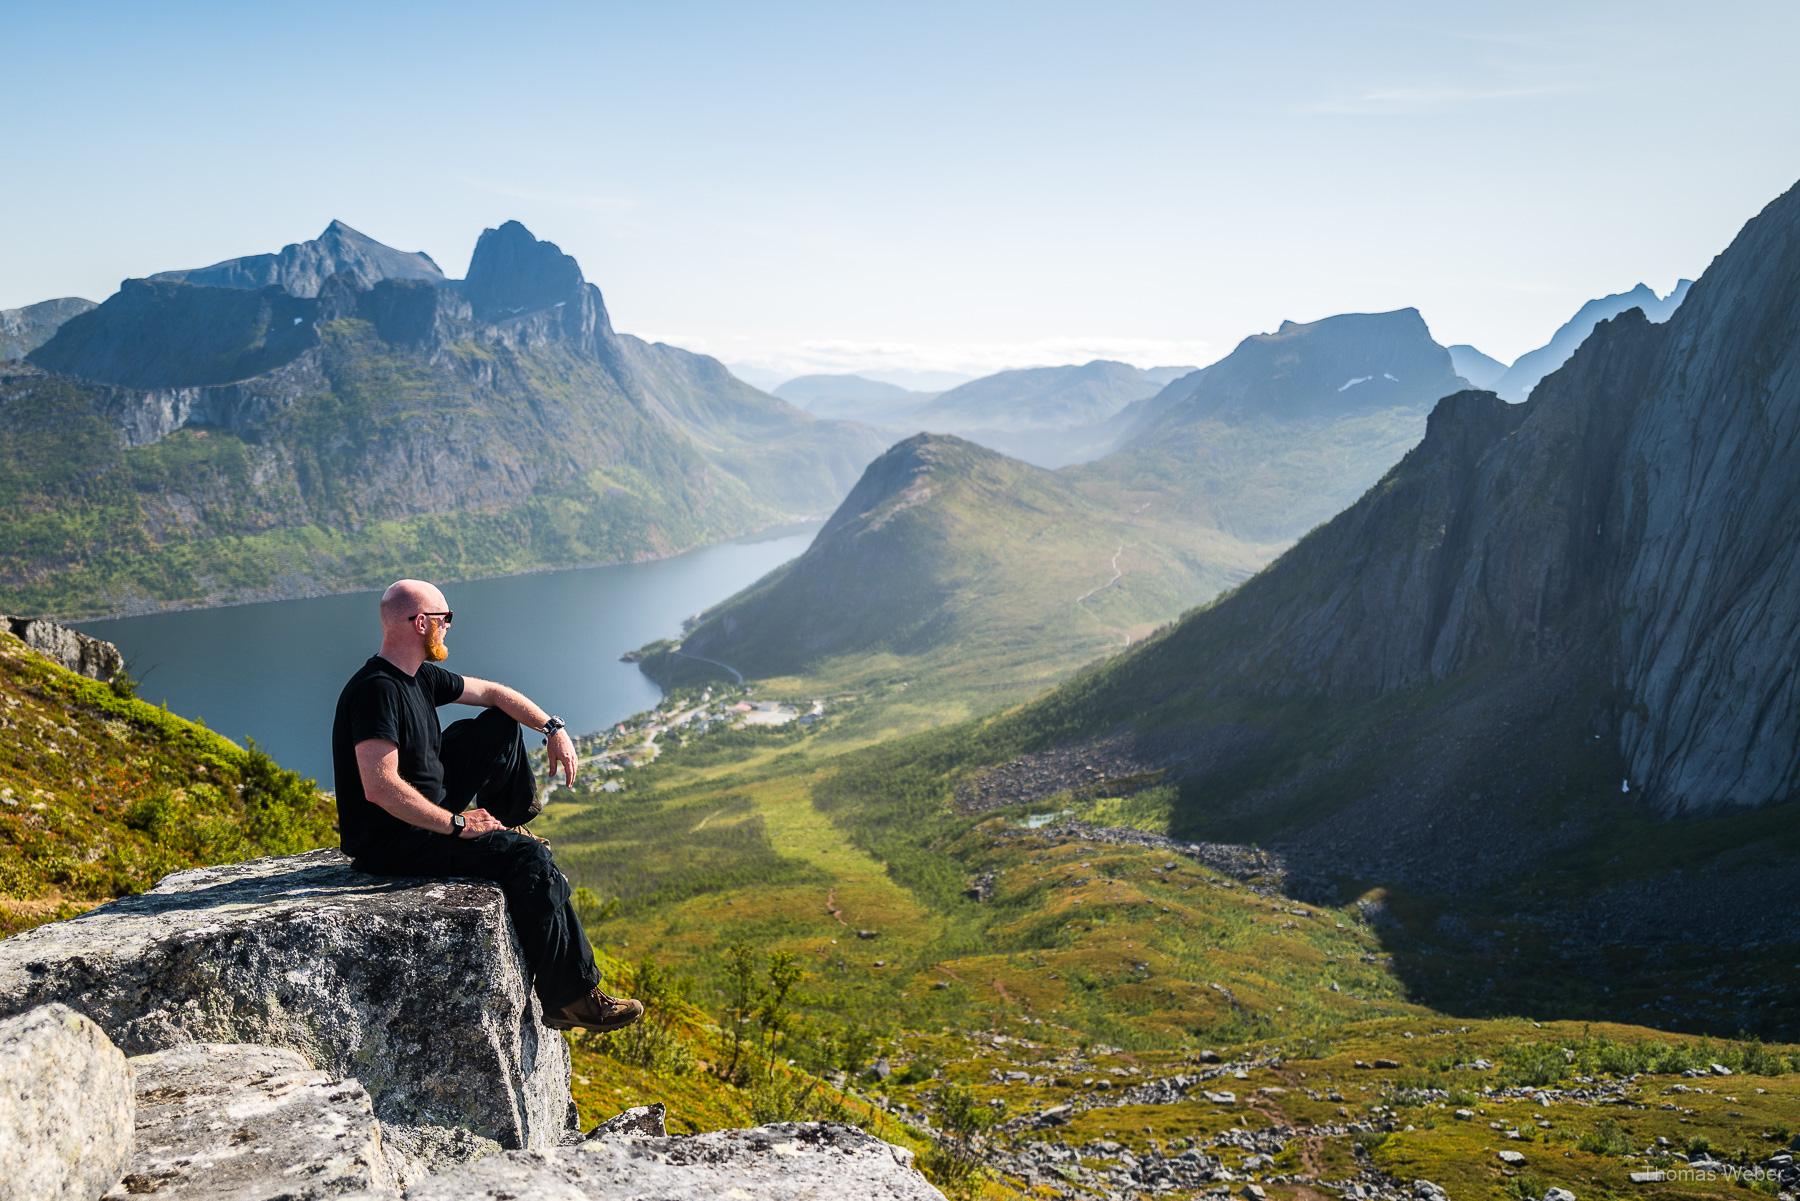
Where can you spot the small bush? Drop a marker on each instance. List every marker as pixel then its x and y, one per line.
pixel 1607 1138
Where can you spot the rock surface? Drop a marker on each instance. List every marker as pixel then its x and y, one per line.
pixel 787 1162
pixel 638 1120
pixel 218 1121
pixel 66 1107
pixel 302 268
pixel 414 988
pixel 76 651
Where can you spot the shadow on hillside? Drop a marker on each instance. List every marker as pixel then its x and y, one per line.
pixel 1577 963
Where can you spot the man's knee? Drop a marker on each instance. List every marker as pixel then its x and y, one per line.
pixel 529 862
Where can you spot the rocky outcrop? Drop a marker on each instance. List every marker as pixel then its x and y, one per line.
pixel 301 268
pixel 66 1107
pixel 221 1121
pixel 304 1031
pixel 92 657
pixel 414 988
pixel 788 1162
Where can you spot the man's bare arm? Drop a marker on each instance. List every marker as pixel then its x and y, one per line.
pixel 525 711
pixel 510 701
pixel 378 763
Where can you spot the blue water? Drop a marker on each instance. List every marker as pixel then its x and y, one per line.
pixel 273 671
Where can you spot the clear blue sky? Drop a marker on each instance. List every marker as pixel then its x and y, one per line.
pixel 961 186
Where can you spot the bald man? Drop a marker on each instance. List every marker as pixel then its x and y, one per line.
pixel 417 800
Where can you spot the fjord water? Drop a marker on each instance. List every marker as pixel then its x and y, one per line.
pixel 272 671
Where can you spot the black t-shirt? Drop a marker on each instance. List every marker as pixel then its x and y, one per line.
pixel 381 701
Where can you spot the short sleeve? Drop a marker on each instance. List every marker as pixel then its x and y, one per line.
pixel 445 686
pixel 375 711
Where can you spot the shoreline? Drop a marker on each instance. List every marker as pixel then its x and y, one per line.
pixel 763 533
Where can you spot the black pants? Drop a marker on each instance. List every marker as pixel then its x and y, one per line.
pixel 484 761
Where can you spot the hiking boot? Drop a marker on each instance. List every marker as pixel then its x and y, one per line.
pixel 597 1012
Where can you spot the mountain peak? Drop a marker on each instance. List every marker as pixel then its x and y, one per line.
pixel 513 272
pixel 301 268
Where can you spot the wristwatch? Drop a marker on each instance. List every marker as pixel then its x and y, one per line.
pixel 457 822
pixel 553 724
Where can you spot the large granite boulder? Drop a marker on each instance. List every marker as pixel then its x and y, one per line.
pixel 804 1161
pixel 66 1107
pixel 218 1121
pixel 415 988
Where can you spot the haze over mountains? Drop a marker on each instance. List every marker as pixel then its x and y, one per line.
pixel 326 416
pixel 1517 381
pixel 947 557
pixel 1048 416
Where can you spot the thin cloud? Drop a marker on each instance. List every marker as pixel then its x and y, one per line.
pixel 1379 101
pixel 591 202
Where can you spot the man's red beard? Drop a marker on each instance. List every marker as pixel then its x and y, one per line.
pixel 435 650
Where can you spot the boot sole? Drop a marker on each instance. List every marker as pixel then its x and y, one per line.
pixel 594 1027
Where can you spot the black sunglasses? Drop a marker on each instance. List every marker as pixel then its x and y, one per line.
pixel 448 615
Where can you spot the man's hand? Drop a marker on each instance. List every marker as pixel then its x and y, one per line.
pixel 562 754
pixel 477 822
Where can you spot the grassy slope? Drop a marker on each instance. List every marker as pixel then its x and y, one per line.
pixel 101 795
pixel 954 580
pixel 1095 960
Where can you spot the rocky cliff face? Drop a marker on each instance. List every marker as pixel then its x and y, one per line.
pixel 172 335
pixel 513 273
pixel 298 1029
pixel 1708 496
pixel 1539 601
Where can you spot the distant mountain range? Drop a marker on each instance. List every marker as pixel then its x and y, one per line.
pixel 980 572
pixel 1517 381
pixel 853 397
pixel 1284 431
pixel 23 330
pixel 1045 397
pixel 1549 620
pixel 325 417
pixel 1048 416
pixel 1479 369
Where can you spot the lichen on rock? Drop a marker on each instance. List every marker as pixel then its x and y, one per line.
pixel 66 1107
